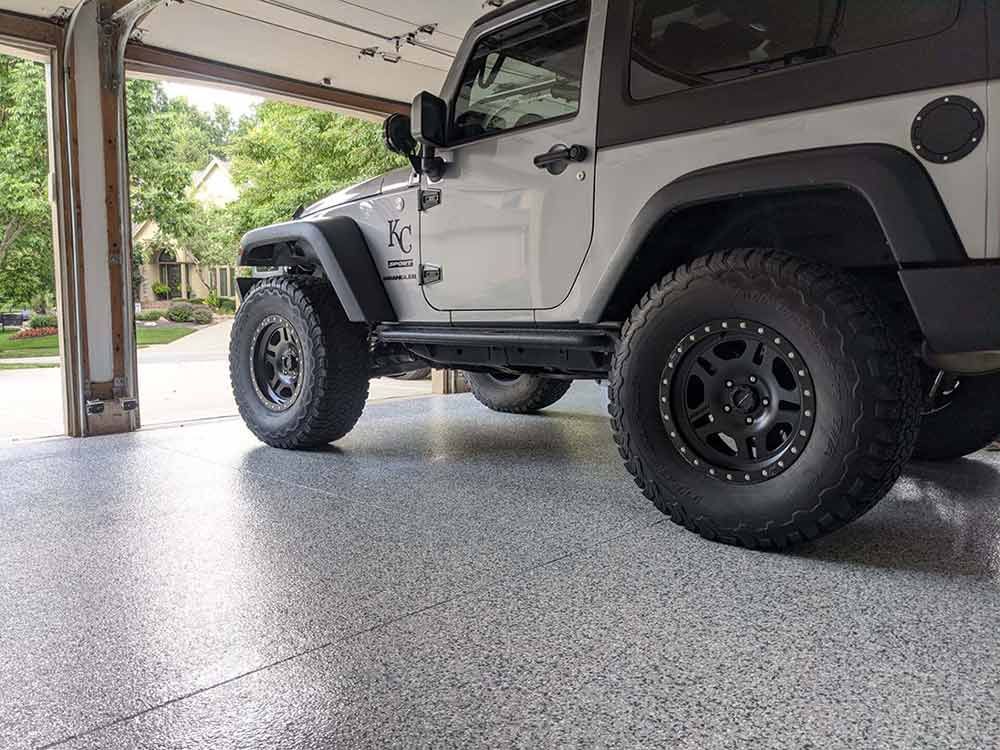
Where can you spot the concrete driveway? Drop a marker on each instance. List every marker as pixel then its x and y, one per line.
pixel 185 381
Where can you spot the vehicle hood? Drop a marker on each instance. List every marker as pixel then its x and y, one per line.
pixel 367 189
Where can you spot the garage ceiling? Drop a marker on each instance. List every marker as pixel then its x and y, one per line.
pixel 351 43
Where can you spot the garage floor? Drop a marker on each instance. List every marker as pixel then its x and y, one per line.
pixel 452 577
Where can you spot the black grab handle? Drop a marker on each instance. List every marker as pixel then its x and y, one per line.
pixel 560 155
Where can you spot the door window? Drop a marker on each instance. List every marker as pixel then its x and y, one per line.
pixel 678 44
pixel 526 73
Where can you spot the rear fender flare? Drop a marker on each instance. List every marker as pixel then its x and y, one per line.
pixel 900 191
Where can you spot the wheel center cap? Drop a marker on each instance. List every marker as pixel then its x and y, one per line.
pixel 745 399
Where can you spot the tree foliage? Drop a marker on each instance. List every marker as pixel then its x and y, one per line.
pixel 287 155
pixel 26 260
pixel 168 141
pixel 282 156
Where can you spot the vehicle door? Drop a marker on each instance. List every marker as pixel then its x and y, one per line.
pixel 515 216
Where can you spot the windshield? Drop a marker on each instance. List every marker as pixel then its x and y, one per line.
pixel 523 74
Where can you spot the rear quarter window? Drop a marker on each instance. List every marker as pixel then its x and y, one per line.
pixel 679 44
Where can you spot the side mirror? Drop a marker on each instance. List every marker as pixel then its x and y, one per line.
pixel 430 120
pixel 398 136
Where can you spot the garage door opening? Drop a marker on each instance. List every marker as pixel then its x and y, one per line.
pixel 31 403
pixel 208 164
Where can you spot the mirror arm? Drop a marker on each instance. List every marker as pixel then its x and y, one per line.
pixel 431 165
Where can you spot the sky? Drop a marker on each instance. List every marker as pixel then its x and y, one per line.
pixel 205 98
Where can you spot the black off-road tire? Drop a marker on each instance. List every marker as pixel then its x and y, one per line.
pixel 334 364
pixel 525 394
pixel 867 398
pixel 966 423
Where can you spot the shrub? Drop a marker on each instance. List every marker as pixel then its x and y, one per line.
pixel 213 298
pixel 161 290
pixel 181 312
pixel 201 316
pixel 43 321
pixel 34 333
pixel 196 301
pixel 149 316
pixel 227 305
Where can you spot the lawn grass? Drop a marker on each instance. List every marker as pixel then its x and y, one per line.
pixel 22 366
pixel 154 336
pixel 48 346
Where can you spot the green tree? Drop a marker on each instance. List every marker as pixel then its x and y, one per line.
pixel 163 151
pixel 287 155
pixel 26 259
pixel 199 136
pixel 211 236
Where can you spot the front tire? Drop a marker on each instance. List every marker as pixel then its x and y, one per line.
pixel 299 368
pixel 519 394
pixel 762 400
pixel 964 419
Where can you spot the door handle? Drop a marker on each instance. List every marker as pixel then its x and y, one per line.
pixel 560 155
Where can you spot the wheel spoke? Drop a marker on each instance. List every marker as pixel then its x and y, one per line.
pixel 709 365
pixel 711 362
pixel 707 429
pixel 790 409
pixel 699 413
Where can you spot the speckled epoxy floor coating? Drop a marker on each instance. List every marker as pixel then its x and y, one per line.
pixel 452 577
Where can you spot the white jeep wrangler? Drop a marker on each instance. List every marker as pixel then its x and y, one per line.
pixel 772 225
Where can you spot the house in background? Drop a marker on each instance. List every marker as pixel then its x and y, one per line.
pixel 178 269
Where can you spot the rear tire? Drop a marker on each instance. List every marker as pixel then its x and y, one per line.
pixel 963 422
pixel 524 394
pixel 299 368
pixel 762 400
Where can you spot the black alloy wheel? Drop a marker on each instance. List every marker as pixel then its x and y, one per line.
pixel 738 401
pixel 276 363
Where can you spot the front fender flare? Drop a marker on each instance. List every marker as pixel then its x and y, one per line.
pixel 337 246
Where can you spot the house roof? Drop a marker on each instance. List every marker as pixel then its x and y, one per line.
pixel 200 178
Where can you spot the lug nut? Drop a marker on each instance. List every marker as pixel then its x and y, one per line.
pixel 753 379
pixel 727 409
pixel 767 402
pixel 729 384
pixel 749 420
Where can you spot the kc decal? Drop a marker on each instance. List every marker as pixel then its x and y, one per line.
pixel 397 235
